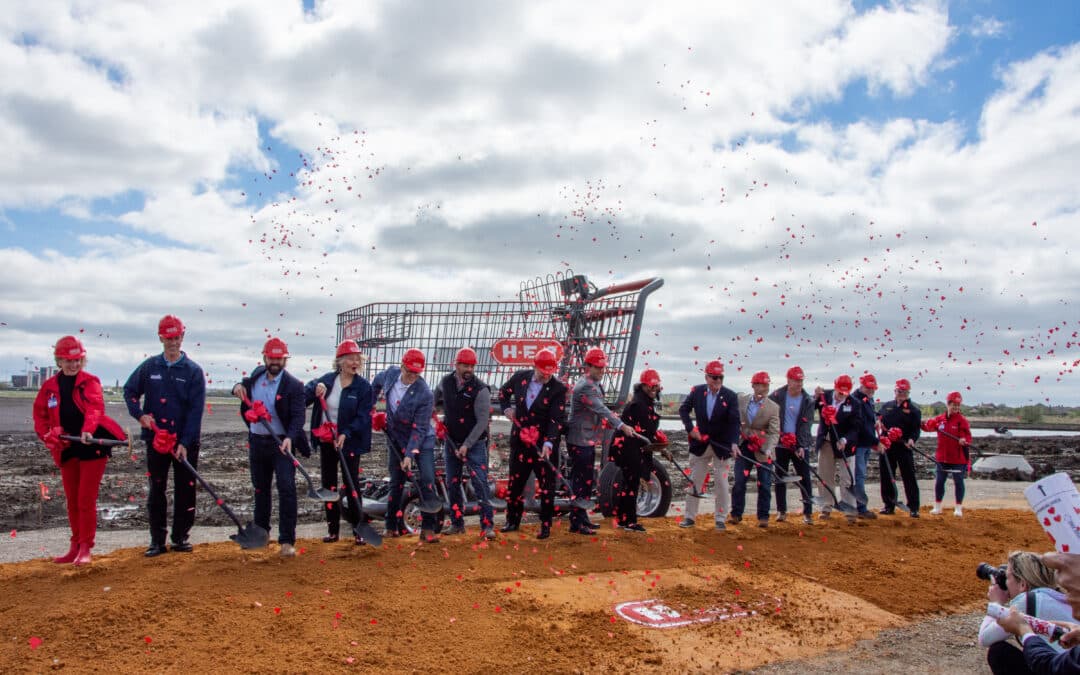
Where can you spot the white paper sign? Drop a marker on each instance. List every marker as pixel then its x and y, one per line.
pixel 1056 504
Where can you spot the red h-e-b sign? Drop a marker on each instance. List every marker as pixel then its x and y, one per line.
pixel 354 330
pixel 521 351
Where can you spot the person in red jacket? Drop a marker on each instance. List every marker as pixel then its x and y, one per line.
pixel 953 439
pixel 71 403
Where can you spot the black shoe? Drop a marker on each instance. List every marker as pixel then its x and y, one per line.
pixel 155 550
pixel 887 511
pixel 583 529
pixel 914 513
pixel 182 547
pixel 544 532
pixel 634 527
pixel 510 527
pixel 330 539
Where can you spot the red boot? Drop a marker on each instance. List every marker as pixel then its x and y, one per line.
pixel 83 558
pixel 69 556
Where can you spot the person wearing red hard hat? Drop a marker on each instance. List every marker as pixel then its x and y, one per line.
pixel 71 403
pixel 167 393
pixel 902 421
pixel 760 434
pixel 629 452
pixel 586 422
pixel 838 433
pixel 410 438
pixel 867 441
pixel 952 456
pixel 465 401
pixel 347 398
pixel 710 415
pixel 796 418
pixel 282 396
pixel 534 401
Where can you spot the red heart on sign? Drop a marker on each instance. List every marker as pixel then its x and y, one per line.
pixel 1050 510
pixel 1057 518
pixel 1046 522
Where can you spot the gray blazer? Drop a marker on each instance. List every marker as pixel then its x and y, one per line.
pixel 587 412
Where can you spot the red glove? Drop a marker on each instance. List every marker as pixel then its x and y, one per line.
pixel 164 441
pixel 378 421
pixel 885 442
pixel 55 444
pixel 325 432
pixel 440 430
pixel 788 440
pixel 529 435
pixel 895 434
pixel 661 437
pixel 753 443
pixel 828 414
pixel 257 412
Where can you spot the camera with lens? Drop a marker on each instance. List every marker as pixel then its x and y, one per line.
pixel 988 572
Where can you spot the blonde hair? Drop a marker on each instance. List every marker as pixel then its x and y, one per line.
pixel 81 360
pixel 339 359
pixel 1029 568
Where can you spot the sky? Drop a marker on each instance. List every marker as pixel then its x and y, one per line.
pixel 849 187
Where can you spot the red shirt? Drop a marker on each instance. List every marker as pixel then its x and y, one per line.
pixel 949 450
pixel 88 398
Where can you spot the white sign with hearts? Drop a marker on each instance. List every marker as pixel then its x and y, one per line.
pixel 1056 503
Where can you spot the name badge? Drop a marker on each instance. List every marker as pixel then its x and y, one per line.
pixel 155 376
pixel 52 401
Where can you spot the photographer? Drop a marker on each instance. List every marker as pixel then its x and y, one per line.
pixel 1030 587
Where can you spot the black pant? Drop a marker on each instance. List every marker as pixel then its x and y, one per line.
pixel 1004 658
pixel 900 457
pixel 635 465
pixel 157 465
pixel 330 467
pixel 524 461
pixel 582 479
pixel 784 458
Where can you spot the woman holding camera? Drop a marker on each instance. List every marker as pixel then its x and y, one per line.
pixel 1030 587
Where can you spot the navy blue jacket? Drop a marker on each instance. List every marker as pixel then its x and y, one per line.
pixel 354 412
pixel 548 411
pixel 410 425
pixel 905 416
pixel 175 395
pixel 289 407
pixel 847 423
pixel 805 419
pixel 722 428
pixel 867 429
pixel 1043 660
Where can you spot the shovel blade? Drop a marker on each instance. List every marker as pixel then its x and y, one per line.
pixel 844 507
pixel 586 504
pixel 903 507
pixel 433 506
pixel 251 536
pixel 324 495
pixel 789 479
pixel 368 533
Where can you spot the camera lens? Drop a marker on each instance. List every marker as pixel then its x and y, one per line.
pixel 985 571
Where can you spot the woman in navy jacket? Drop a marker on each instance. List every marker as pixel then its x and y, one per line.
pixel 348 407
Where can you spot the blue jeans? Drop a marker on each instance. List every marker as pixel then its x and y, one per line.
pixel 267 464
pixel 743 469
pixel 582 460
pixel 476 460
pixel 862 458
pixel 957 472
pixel 424 465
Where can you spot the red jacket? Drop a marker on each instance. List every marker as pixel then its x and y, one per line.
pixel 88 399
pixel 949 450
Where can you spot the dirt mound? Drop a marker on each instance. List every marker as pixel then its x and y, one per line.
pixel 509 606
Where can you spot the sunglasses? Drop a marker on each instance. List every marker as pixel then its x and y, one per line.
pixel 715 377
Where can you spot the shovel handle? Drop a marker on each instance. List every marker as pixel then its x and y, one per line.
pixel 206 486
pixel 104 442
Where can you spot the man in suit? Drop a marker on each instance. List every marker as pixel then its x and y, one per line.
pixel 796 418
pixel 589 417
pixel 713 439
pixel 535 403
pixel 409 404
pixel 836 443
pixel 283 396
pixel 904 415
pixel 760 432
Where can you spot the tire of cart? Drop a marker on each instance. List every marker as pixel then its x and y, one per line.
pixel 411 515
pixel 654 493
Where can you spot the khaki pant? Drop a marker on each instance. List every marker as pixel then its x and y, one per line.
pixel 829 468
pixel 699 466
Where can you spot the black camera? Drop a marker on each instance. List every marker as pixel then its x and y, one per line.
pixel 999 575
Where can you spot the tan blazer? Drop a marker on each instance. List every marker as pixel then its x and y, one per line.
pixel 767 420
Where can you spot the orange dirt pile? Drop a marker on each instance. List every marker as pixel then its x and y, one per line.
pixel 514 605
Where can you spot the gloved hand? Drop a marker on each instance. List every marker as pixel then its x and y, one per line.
pixel 378 421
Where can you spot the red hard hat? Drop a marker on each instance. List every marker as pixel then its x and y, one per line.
pixel 275 348
pixel 413 360
pixel 466 356
pixel 843 384
pixel 69 347
pixel 795 373
pixel 868 381
pixel 903 385
pixel 347 347
pixel 650 378
pixel 596 357
pixel 546 362
pixel 170 327
pixel 714 368
pixel 760 378
pixel 954 397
